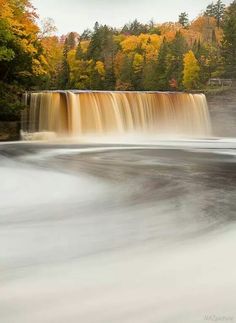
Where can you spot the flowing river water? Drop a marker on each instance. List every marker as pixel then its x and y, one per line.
pixel 108 233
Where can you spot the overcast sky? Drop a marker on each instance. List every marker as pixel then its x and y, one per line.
pixel 77 15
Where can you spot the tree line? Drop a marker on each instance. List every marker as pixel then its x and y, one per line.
pixel 180 55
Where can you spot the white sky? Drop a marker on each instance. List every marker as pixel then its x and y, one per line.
pixel 77 15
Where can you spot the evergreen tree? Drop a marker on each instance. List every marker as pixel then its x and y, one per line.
pixel 125 81
pixel 79 52
pixel 216 10
pixel 135 28
pixel 183 19
pixel 97 81
pixel 110 79
pixel 86 35
pixel 64 74
pixel 103 48
pixel 210 10
pixel 174 60
pixel 71 41
pixel 150 76
pixel 161 68
pixel 229 40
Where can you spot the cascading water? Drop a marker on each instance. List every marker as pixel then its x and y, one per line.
pixel 78 113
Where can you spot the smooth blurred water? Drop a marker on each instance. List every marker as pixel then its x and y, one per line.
pixel 118 233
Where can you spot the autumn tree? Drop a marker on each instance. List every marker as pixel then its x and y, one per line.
pixel 191 71
pixel 137 67
pixel 22 59
pixel 204 25
pixel 79 71
pixel 53 50
pixel 47 28
pixel 21 53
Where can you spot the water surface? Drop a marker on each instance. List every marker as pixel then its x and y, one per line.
pixel 118 233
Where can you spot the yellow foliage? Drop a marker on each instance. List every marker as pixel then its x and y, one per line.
pixel 79 70
pixel 84 45
pixel 100 68
pixel 137 63
pixel 71 57
pixel 148 43
pixel 130 44
pixel 191 71
pixel 19 17
pixel 53 50
pixel 37 67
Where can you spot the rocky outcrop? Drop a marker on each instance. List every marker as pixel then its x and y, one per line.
pixel 222 109
pixel 9 130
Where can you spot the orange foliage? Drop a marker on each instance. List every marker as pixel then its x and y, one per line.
pixel 169 27
pixel 206 26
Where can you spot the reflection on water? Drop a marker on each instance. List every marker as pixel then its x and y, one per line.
pixel 103 233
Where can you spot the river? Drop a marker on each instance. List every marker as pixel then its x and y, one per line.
pixel 105 232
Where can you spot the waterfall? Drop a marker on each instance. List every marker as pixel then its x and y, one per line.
pixel 76 113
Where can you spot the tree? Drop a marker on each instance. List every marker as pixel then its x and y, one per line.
pixel 79 52
pixel 150 76
pixel 191 71
pixel 71 41
pixel 21 53
pixel 204 25
pixel 102 47
pixel 22 58
pixel 125 77
pixel 53 50
pixel 135 28
pixel 80 72
pixel 229 40
pixel 153 29
pixel 216 10
pixel 161 69
pixel 174 60
pixel 183 19
pixel 137 67
pixel 86 35
pixel 48 28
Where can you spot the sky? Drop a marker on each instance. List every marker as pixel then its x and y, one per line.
pixel 77 15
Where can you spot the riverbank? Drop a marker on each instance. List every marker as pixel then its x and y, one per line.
pixel 9 130
pixel 222 108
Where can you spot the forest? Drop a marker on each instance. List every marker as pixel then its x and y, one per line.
pixel 172 56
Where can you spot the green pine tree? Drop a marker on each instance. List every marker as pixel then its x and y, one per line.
pixel 229 40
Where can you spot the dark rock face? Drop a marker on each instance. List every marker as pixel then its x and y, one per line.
pixel 222 109
pixel 9 130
